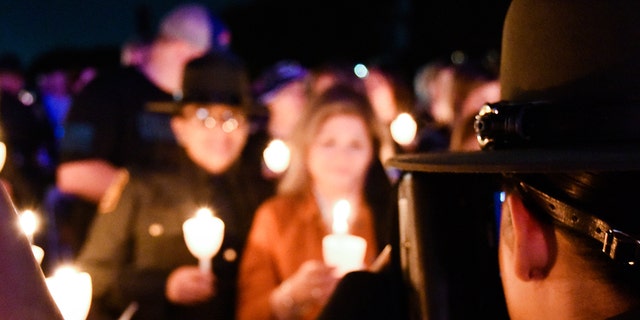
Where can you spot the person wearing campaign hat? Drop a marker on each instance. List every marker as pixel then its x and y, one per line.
pixel 135 250
pixel 184 33
pixel 564 141
pixel 107 127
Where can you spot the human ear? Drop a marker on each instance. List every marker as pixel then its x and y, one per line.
pixel 533 242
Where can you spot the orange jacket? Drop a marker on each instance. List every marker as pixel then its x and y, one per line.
pixel 286 232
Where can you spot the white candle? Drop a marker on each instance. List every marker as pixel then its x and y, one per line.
pixel 340 249
pixel 277 156
pixel 38 253
pixel 71 290
pixel 203 235
pixel 403 129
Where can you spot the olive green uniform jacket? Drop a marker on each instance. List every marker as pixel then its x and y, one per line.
pixel 137 240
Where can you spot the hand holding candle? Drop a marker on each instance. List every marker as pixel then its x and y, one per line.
pixel 341 250
pixel 203 234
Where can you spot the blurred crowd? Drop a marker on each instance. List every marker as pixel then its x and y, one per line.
pixel 116 150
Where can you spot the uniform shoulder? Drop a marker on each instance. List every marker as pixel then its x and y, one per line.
pixel 154 184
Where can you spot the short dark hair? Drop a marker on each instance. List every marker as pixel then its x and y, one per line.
pixel 603 195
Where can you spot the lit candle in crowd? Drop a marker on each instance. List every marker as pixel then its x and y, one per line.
pixel 71 290
pixel 29 223
pixel 277 156
pixel 340 249
pixel 403 129
pixel 203 234
pixel 3 154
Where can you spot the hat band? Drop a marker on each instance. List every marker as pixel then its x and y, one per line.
pixel 212 97
pixel 505 125
pixel 618 245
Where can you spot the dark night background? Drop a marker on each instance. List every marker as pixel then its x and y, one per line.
pixel 404 33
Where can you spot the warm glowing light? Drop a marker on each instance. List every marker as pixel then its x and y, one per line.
pixel 403 129
pixel 3 154
pixel 29 223
pixel 277 156
pixel 71 290
pixel 38 253
pixel 341 250
pixel 341 212
pixel 203 235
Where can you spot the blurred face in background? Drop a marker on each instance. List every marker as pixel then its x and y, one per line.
pixel 340 154
pixel 285 108
pixel 440 90
pixel 488 91
pixel 212 135
pixel 380 92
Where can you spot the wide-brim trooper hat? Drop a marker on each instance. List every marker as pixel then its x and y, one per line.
pixel 570 94
pixel 215 78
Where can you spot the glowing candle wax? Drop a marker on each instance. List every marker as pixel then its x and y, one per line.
pixel 277 156
pixel 71 290
pixel 340 249
pixel 38 253
pixel 403 129
pixel 203 234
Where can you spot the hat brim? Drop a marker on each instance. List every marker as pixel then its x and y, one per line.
pixel 521 161
pixel 174 107
pixel 166 107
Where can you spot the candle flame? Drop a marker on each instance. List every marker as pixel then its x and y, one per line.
pixel 341 212
pixel 403 129
pixel 3 154
pixel 277 156
pixel 28 223
pixel 204 212
pixel 65 271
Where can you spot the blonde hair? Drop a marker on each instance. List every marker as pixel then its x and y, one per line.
pixel 337 100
